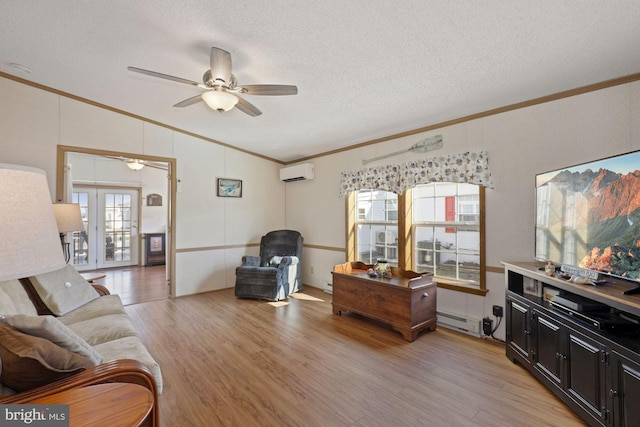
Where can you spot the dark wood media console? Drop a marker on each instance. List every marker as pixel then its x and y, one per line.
pixel 584 346
pixel 406 300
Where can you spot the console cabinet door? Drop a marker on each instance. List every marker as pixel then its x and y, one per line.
pixel 625 390
pixel 518 328
pixel 548 354
pixel 586 373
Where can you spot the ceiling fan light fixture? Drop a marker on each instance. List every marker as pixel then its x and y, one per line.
pixel 135 164
pixel 220 100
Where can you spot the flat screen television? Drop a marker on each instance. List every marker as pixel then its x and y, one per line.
pixel 588 216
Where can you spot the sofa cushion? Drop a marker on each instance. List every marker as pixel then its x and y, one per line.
pixel 63 290
pixel 106 304
pixel 103 329
pixel 131 348
pixel 29 362
pixel 50 328
pixel 19 297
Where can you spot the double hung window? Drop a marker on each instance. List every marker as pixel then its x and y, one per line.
pixel 376 226
pixel 441 232
pixel 446 231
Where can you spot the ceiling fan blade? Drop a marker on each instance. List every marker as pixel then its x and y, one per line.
pixel 271 90
pixel 220 65
pixel 247 107
pixel 189 101
pixel 163 76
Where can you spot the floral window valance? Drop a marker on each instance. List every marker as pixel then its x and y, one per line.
pixel 470 167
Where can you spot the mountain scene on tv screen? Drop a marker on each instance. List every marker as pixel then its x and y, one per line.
pixel 613 219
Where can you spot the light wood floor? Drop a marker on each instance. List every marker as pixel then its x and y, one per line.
pixel 230 362
pixel 136 284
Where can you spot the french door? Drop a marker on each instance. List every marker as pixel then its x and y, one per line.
pixel 110 237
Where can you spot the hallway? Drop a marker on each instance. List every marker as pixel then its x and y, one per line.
pixel 135 284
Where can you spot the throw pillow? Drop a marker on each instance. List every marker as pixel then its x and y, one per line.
pixel 275 261
pixel 63 290
pixel 50 328
pixel 29 362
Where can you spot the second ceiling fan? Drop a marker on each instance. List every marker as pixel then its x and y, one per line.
pixel 222 91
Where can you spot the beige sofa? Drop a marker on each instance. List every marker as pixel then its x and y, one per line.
pixel 58 331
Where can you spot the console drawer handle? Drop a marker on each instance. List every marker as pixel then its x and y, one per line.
pixel 425 295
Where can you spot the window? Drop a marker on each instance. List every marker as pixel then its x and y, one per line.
pixel 446 232
pixel 376 226
pixel 443 224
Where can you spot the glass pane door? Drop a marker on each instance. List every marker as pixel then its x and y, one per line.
pixel 117 228
pixel 80 249
pixel 111 236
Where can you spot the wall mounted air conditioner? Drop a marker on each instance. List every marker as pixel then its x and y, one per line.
pixel 297 173
pixel 387 236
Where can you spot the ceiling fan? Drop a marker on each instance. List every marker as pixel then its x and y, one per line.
pixel 222 91
pixel 137 164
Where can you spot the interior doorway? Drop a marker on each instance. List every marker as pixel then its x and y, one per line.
pixel 108 188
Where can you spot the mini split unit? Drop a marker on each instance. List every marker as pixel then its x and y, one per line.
pixel 299 172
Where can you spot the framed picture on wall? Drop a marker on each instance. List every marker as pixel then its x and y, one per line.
pixel 154 200
pixel 229 187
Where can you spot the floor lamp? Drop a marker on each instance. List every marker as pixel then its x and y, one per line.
pixel 30 241
pixel 68 219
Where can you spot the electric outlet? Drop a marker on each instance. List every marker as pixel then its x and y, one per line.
pixel 497 311
pixel 312 270
pixel 487 326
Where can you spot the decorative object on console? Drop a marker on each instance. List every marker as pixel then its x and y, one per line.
pixel 382 268
pixel 68 219
pixel 549 269
pixel 30 240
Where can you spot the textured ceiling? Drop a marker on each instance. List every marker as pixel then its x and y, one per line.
pixel 364 69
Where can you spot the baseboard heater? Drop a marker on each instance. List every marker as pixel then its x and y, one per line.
pixel 461 323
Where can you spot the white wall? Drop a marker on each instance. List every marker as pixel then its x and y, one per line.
pixel 211 232
pixel 520 144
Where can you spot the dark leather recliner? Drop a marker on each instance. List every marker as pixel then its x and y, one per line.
pixel 275 274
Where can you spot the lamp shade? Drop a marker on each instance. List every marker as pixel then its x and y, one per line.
pixel 30 240
pixel 68 217
pixel 220 100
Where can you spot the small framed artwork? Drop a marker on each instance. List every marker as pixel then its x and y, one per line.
pixel 531 287
pixel 154 200
pixel 229 187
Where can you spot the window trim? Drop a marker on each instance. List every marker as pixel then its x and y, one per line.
pixel 386 222
pixel 405 250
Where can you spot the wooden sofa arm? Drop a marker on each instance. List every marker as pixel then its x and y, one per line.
pixel 102 291
pixel 123 371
